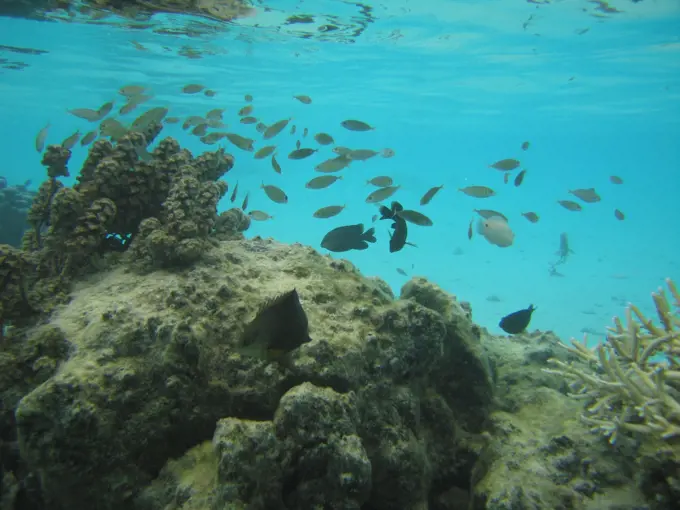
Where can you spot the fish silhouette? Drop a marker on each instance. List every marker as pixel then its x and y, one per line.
pixel 517 322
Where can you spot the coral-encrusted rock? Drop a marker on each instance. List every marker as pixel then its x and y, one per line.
pixel 464 376
pixel 154 369
pixel 250 464
pixel 327 463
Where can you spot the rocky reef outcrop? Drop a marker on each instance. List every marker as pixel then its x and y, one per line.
pixel 143 399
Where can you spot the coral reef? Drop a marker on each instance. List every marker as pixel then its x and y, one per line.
pixel 392 403
pixel 167 200
pixel 191 368
pixel 15 201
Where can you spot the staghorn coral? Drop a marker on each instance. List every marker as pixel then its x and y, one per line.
pixel 636 385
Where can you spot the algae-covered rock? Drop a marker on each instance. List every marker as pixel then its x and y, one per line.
pixel 28 358
pixel 327 464
pixel 537 454
pixel 391 403
pixel 156 364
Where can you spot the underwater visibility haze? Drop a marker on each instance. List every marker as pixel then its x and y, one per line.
pixel 507 168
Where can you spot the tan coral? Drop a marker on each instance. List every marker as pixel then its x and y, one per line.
pixel 636 383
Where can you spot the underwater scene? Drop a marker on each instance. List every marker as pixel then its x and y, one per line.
pixel 334 254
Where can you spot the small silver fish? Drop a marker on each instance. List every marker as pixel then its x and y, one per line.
pixel 260 216
pixel 301 153
pixel 41 137
pixel 329 211
pixel 381 194
pixel 323 181
pixel 356 125
pixel 382 181
pixel 265 152
pixel 275 164
pixel 478 191
pixel 275 194
pixel 429 195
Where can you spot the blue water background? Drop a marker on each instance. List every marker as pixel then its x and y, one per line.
pixel 451 87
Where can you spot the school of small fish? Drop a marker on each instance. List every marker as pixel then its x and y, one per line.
pixel 266 142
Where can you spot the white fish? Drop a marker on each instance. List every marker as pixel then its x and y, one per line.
pixel 496 230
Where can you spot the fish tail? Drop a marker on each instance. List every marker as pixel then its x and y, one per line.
pixel 369 235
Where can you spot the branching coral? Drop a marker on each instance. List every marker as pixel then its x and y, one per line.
pixel 636 383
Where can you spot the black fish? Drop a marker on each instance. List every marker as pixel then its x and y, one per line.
pixel 517 322
pixel 349 237
pixel 279 327
pixel 398 237
pixel 400 230
pixel 389 213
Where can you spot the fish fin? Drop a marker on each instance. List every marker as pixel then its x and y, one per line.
pixel 369 235
pixel 411 244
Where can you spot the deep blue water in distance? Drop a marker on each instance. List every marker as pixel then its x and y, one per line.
pixel 451 86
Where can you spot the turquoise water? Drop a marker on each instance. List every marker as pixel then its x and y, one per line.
pixel 451 87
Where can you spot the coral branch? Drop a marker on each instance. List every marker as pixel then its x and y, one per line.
pixel 636 385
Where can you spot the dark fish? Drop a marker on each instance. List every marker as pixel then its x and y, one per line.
pixel 525 146
pixel 349 237
pixel 517 322
pixel 619 215
pixel 279 327
pixel 520 177
pixel 399 228
pixel 388 213
pixel 399 234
